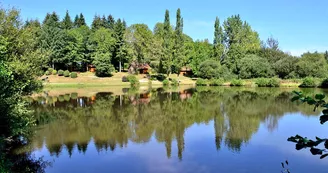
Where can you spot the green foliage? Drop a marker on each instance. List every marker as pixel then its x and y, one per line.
pixel 202 82
pixel 54 72
pixel 73 75
pixel 253 66
pixel 302 142
pixel 237 82
pixel 209 69
pixel 134 81
pixel 265 82
pixel 216 82
pixel 166 82
pixel 66 73
pixel 309 82
pixel 174 82
pixel 312 65
pixel 47 73
pixel 60 72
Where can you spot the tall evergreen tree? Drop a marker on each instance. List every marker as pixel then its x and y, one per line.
pixel 67 22
pixel 178 50
pixel 76 21
pixel 96 23
pixel 111 21
pixel 167 56
pixel 81 21
pixel 218 41
pixel 120 46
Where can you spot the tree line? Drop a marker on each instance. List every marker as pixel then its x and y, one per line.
pixel 111 45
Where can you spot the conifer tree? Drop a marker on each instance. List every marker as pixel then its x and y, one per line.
pixel 76 21
pixel 81 21
pixel 67 22
pixel 111 21
pixel 178 50
pixel 167 57
pixel 96 23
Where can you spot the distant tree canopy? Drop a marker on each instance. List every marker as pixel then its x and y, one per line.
pixel 71 44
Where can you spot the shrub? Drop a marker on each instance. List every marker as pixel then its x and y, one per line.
pixel 308 82
pixel 47 73
pixel 54 72
pixel 264 82
pixel 166 82
pixel 201 82
pixel 209 69
pixel 74 95
pixel 216 82
pixel 174 82
pixel 133 80
pixel 60 72
pixel 73 75
pixel 274 82
pixel 67 97
pixel 125 79
pixel 324 84
pixel 50 70
pixel 237 82
pixel 61 98
pixel 66 73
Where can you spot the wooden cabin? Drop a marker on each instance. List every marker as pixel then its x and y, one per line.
pixel 91 68
pixel 144 68
pixel 186 71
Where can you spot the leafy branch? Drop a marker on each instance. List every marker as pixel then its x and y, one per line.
pixel 303 142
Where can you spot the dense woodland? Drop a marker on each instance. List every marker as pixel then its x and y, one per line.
pixel 110 44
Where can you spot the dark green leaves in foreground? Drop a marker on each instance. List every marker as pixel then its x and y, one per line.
pixel 303 142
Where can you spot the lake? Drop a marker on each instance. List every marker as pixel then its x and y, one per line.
pixel 183 130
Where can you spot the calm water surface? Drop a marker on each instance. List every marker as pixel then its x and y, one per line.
pixel 193 130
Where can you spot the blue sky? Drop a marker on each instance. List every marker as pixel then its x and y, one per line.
pixel 299 25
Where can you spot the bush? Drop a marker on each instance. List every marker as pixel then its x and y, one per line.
pixel 324 84
pixel 74 95
pixel 216 82
pixel 237 82
pixel 47 73
pixel 133 80
pixel 50 70
pixel 264 82
pixel 209 69
pixel 73 75
pixel 66 73
pixel 60 72
pixel 308 82
pixel 166 82
pixel 174 82
pixel 201 82
pixel 125 79
pixel 274 82
pixel 54 72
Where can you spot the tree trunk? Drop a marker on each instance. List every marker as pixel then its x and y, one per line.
pixel 120 67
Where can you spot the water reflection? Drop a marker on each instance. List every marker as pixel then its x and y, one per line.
pixel 69 122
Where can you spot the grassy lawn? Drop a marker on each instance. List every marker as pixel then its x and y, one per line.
pixel 88 79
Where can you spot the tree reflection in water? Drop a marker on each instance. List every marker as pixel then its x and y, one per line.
pixel 112 121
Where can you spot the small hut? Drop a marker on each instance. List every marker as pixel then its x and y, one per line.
pixel 186 71
pixel 144 68
pixel 91 68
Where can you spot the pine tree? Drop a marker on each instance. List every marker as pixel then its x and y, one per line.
pixel 76 21
pixel 111 21
pixel 120 46
pixel 104 22
pixel 96 23
pixel 81 21
pixel 218 41
pixel 67 22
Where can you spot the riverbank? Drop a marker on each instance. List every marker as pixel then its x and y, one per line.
pixel 88 80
